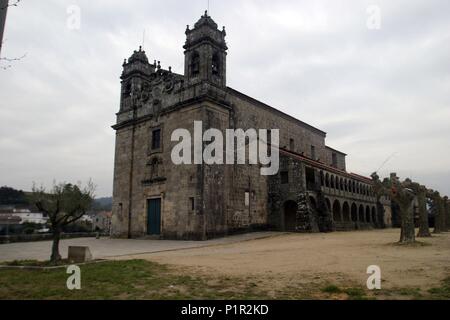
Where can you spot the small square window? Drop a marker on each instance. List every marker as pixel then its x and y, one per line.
pixel 156 139
pixel 192 203
pixel 284 177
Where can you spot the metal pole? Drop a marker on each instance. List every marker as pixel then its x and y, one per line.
pixel 3 10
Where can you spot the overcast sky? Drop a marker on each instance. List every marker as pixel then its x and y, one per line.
pixel 376 92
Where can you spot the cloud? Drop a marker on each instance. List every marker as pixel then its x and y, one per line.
pixel 375 92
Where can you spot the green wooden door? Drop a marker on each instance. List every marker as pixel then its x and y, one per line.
pixel 154 217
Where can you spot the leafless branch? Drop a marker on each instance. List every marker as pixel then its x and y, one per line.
pixel 13 59
pixel 15 4
pixel 10 60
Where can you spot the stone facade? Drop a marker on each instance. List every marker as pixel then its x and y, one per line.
pixel 311 193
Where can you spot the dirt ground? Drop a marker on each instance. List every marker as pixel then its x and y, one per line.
pixel 337 258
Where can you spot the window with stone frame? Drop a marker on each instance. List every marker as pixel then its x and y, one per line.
pixel 156 139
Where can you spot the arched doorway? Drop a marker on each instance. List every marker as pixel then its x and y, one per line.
pixel 328 204
pixel 374 215
pixel 361 213
pixel 346 212
pixel 290 215
pixel 368 214
pixel 336 211
pixel 354 213
pixel 313 203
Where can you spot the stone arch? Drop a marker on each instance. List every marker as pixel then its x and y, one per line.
pixel 368 214
pixel 354 212
pixel 374 215
pixel 313 203
pixel 361 213
pixel 346 211
pixel 336 210
pixel 328 204
pixel 346 185
pixel 353 187
pixel 327 180
pixel 290 215
pixel 216 64
pixel 195 64
pixel 332 185
pixel 322 179
pixel 341 182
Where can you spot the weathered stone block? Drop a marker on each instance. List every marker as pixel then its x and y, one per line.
pixel 79 254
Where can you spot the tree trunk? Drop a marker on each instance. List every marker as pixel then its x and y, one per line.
pixel 438 227
pixel 424 227
pixel 445 221
pixel 407 224
pixel 56 257
pixel 380 213
pixel 447 212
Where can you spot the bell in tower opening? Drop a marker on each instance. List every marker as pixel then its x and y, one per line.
pixel 205 53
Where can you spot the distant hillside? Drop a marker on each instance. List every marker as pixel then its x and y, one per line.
pixel 103 204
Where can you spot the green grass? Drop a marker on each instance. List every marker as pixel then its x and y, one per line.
pixel 135 279
pixel 331 289
pixel 139 279
pixel 352 293
pixel 442 292
pixel 33 263
pixel 355 293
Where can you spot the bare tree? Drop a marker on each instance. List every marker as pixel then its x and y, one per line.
pixel 379 191
pixel 3 11
pixel 403 196
pixel 439 221
pixel 447 212
pixel 64 204
pixel 421 194
pixel 4 5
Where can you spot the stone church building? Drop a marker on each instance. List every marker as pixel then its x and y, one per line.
pixel 152 197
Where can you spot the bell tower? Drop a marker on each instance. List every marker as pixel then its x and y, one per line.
pixel 205 53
